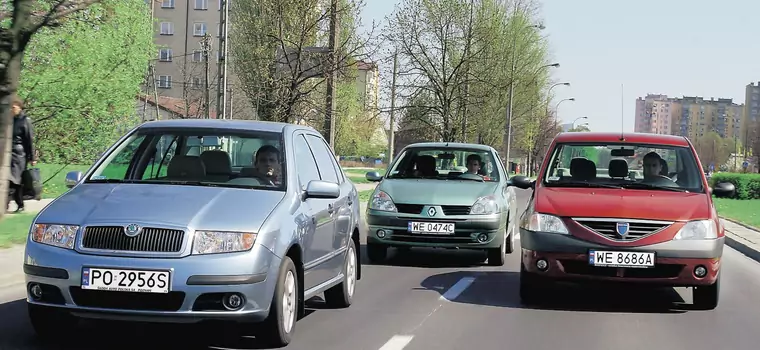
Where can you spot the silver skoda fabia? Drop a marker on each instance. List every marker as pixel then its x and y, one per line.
pixel 192 220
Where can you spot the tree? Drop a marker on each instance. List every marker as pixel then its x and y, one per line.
pixel 99 56
pixel 713 149
pixel 280 53
pixel 20 22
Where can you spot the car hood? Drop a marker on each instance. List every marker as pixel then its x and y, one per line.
pixel 438 192
pixel 195 207
pixel 622 203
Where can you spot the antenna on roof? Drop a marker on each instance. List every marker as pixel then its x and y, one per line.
pixel 622 114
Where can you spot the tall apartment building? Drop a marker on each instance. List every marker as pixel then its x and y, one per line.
pixel 689 116
pixel 180 66
pixel 750 129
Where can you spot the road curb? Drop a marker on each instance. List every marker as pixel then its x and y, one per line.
pixel 740 224
pixel 740 246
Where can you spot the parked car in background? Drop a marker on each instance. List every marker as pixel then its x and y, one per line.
pixel 193 220
pixel 443 195
pixel 657 229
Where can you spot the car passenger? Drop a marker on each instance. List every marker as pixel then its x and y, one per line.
pixel 425 166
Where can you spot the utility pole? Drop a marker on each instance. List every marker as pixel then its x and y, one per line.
pixel 206 46
pixel 392 133
pixel 508 141
pixel 221 98
pixel 231 100
pixel 329 126
pixel 154 79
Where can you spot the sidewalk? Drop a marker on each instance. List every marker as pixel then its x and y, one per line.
pixel 742 238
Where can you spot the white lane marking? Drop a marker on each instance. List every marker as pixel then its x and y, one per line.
pixel 397 342
pixel 457 288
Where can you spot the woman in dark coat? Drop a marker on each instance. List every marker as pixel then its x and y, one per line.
pixel 22 152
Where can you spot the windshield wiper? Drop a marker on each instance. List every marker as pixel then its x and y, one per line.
pixel 640 185
pixel 581 184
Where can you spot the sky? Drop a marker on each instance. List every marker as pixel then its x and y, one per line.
pixel 702 48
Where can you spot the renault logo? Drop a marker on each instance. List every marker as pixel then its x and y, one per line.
pixel 431 211
pixel 132 230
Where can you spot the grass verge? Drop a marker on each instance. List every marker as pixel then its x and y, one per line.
pixel 55 175
pixel 364 195
pixel 14 228
pixel 745 211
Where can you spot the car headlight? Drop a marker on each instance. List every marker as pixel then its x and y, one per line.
pixel 698 229
pixel 382 201
pixel 57 235
pixel 214 242
pixel 485 205
pixel 537 222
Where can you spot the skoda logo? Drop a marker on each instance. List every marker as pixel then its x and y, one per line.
pixel 132 230
pixel 431 211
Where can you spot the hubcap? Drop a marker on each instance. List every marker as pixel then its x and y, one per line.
pixel 289 302
pixel 350 272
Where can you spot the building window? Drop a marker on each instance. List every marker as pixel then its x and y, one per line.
pixel 165 55
pixel 197 83
pixel 165 81
pixel 197 56
pixel 218 29
pixel 201 4
pixel 167 28
pixel 167 4
pixel 199 29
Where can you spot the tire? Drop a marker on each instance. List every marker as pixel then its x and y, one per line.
pixel 342 295
pixel 498 256
pixel 51 324
pixel 532 288
pixel 376 252
pixel 707 297
pixel 511 239
pixel 277 330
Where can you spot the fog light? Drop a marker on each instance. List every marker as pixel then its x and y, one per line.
pixel 233 301
pixel 36 291
pixel 700 271
pixel 381 233
pixel 542 264
pixel 482 238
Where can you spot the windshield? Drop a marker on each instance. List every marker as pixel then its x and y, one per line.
pixel 446 163
pixel 646 167
pixel 196 157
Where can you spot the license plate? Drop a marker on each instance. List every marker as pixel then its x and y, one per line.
pixel 436 228
pixel 143 281
pixel 621 259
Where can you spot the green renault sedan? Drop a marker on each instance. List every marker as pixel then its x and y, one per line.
pixel 443 195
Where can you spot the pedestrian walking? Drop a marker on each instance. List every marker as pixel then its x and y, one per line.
pixel 22 153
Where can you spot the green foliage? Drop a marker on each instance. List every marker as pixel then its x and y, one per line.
pixel 747 185
pixel 713 149
pixel 356 131
pixel 81 79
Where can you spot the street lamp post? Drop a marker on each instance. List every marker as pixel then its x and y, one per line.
pixel 577 119
pixel 556 109
pixel 512 90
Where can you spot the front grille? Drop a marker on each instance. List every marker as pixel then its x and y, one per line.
pixel 636 229
pixel 171 301
pixel 151 239
pixel 409 208
pixel 456 209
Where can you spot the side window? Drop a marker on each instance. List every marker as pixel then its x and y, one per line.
pixel 306 167
pixel 166 147
pixel 324 157
pixel 118 165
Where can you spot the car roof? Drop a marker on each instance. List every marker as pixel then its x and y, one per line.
pixel 475 146
pixel 231 124
pixel 632 137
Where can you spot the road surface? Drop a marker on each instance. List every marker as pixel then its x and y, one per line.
pixel 450 300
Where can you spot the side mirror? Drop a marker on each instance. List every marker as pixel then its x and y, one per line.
pixel 724 189
pixel 73 178
pixel 522 182
pixel 322 189
pixel 373 176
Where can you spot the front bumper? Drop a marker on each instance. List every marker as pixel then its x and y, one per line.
pixel 466 231
pixel 198 284
pixel 675 262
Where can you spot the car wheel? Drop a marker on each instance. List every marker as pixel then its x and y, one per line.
pixel 706 297
pixel 342 295
pixel 532 287
pixel 51 324
pixel 376 252
pixel 277 329
pixel 498 256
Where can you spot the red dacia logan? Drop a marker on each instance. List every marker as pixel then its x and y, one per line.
pixel 631 208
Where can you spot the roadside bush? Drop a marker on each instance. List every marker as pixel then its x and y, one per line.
pixel 747 185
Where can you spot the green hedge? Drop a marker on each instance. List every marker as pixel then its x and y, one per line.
pixel 747 185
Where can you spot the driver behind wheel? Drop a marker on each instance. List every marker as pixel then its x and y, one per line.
pixel 474 163
pixel 267 165
pixel 652 166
